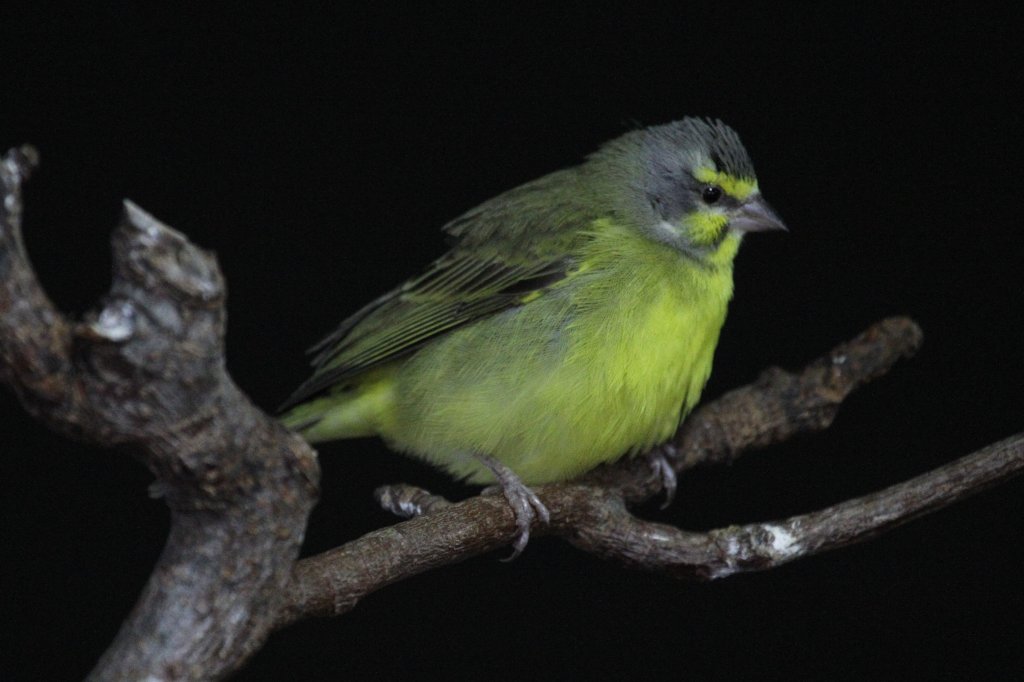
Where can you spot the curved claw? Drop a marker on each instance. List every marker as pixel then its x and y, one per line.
pixel 525 504
pixel 658 459
pixel 527 508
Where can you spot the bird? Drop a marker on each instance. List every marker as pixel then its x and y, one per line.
pixel 573 320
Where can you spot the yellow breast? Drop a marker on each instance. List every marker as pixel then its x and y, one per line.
pixel 647 344
pixel 603 366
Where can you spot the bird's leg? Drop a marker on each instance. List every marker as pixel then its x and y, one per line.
pixel 658 459
pixel 526 506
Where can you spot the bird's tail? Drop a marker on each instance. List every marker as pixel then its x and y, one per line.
pixel 351 413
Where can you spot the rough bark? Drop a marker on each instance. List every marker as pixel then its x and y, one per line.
pixel 145 373
pixel 592 513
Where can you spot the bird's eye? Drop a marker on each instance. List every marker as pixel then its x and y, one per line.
pixel 710 194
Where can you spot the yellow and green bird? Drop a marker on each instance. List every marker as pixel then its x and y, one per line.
pixel 573 320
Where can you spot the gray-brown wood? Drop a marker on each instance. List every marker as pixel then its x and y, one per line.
pixel 145 373
pixel 592 512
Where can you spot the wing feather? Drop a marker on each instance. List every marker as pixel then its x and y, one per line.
pixel 504 250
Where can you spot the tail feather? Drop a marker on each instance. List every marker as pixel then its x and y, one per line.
pixel 352 413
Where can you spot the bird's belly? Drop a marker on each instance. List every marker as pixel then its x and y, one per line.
pixel 558 398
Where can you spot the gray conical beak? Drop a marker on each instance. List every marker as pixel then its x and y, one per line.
pixel 755 215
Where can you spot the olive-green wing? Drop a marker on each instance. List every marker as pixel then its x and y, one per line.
pixel 504 250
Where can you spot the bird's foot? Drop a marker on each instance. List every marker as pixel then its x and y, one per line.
pixel 658 459
pixel 408 501
pixel 526 506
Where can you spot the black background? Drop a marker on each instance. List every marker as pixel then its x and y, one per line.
pixel 318 152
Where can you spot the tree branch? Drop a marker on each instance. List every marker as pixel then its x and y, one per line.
pixel 146 373
pixel 603 526
pixel 592 513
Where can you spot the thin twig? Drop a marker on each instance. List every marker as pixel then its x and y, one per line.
pixel 601 527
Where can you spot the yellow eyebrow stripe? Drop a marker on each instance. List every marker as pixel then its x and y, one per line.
pixel 739 188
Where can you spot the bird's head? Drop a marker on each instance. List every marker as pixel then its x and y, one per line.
pixel 689 184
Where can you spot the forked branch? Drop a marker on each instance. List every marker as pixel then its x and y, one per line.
pixel 592 512
pixel 146 373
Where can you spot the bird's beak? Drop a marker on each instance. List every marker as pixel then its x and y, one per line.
pixel 755 215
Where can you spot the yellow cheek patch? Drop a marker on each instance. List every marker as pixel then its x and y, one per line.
pixel 705 227
pixel 738 188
